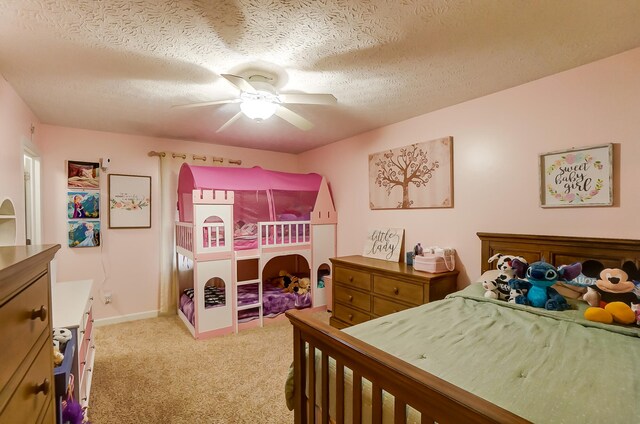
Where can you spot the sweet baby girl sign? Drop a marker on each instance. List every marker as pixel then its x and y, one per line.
pixel 577 177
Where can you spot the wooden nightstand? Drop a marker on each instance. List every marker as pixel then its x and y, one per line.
pixel 366 288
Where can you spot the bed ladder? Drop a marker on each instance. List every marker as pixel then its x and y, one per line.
pixel 257 281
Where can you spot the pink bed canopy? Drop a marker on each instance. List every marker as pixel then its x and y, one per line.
pixel 260 194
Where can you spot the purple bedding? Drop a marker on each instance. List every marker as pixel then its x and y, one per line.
pixel 274 302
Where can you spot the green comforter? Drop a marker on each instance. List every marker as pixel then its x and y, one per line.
pixel 545 366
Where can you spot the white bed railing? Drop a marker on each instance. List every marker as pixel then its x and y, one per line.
pixel 184 235
pixel 282 234
pixel 213 235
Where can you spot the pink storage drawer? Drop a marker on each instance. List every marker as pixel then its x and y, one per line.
pixel 430 263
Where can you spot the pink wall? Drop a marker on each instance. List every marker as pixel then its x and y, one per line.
pixel 497 140
pixel 15 124
pixel 128 261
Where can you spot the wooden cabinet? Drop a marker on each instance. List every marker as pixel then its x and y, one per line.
pixel 73 309
pixel 367 288
pixel 26 373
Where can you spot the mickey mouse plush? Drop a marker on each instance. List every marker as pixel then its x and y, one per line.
pixel 612 295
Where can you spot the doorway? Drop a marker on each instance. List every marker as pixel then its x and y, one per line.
pixel 32 218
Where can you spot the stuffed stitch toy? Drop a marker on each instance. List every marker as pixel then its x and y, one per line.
pixel 540 276
pixel 499 287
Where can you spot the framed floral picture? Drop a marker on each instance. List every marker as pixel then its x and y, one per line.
pixel 129 201
pixel 577 177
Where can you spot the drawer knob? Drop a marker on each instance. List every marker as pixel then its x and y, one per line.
pixel 39 313
pixel 350 317
pixel 44 387
pixel 351 278
pixel 395 290
pixel 350 298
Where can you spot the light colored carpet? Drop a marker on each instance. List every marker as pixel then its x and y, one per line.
pixel 153 371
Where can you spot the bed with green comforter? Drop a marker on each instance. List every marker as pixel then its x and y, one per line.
pixel 545 366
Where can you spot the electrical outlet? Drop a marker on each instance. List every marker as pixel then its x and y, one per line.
pixel 106 296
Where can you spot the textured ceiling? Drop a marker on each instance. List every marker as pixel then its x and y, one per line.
pixel 116 65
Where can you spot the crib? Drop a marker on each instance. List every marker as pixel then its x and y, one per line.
pixel 237 229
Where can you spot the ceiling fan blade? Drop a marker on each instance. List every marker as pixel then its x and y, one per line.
pixel 201 104
pixel 293 118
pixel 240 83
pixel 229 122
pixel 309 99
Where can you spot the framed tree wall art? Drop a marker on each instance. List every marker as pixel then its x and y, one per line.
pixel 129 201
pixel 415 176
pixel 577 177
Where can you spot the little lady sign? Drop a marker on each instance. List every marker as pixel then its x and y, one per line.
pixel 578 177
pixel 384 243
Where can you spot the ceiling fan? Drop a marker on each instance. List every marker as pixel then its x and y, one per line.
pixel 259 101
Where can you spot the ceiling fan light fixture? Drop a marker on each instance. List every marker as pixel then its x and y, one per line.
pixel 258 109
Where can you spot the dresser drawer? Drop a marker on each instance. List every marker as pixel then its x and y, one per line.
pixel 352 278
pixel 34 391
pixel 349 315
pixel 21 326
pixel 352 297
pixel 383 307
pixel 397 289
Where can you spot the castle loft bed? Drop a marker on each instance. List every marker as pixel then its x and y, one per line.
pixel 240 231
pixel 471 359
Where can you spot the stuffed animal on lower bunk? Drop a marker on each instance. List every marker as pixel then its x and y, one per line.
pixel 540 276
pixel 498 288
pixel 613 296
pixel 292 284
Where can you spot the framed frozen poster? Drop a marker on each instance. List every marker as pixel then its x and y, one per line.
pixel 577 177
pixel 129 201
pixel 83 204
pixel 84 233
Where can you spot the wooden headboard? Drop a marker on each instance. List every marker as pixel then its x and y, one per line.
pixel 560 250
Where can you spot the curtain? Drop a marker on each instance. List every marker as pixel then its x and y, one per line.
pixel 169 169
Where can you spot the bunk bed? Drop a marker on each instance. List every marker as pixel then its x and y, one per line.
pixel 238 230
pixel 469 358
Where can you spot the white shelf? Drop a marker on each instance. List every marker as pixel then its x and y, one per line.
pixel 7 223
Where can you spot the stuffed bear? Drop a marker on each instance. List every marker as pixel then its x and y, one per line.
pixel 303 285
pixel 498 288
pixel 540 276
pixel 611 298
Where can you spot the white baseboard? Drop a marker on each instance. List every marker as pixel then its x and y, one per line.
pixel 125 318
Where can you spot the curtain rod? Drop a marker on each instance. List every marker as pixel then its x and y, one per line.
pixel 196 157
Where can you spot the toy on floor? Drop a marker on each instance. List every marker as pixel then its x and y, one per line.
pixel 611 298
pixel 540 276
pixel 72 411
pixel 62 335
pixel 498 288
pixel 58 357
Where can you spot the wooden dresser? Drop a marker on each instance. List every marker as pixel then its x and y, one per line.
pixel 26 373
pixel 366 288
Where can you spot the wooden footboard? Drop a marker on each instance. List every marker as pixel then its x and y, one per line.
pixel 435 399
